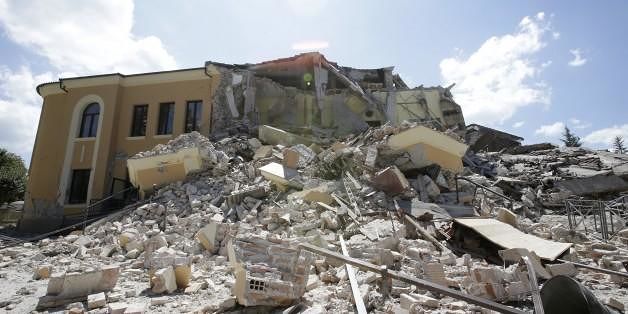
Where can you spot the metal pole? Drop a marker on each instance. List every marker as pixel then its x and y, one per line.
pixel 457 193
pixel 420 283
pixel 597 269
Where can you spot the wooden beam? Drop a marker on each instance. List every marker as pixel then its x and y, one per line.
pixel 420 283
pixel 355 289
pixel 424 233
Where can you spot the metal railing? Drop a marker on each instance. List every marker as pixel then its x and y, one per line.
pixel 510 201
pixel 602 212
pixel 104 206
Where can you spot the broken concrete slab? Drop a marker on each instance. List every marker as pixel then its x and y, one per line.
pixel 595 185
pixel 64 288
pixel 273 136
pixel 508 237
pixel 427 146
pixel 278 173
pixel 83 284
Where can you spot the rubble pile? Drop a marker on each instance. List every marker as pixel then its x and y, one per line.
pixel 228 236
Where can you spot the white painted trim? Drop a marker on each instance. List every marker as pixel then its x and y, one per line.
pixel 124 80
pixel 160 136
pixel 77 114
pixel 135 138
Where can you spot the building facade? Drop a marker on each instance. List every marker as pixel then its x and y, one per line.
pixel 90 125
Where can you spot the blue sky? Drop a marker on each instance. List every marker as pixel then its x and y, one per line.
pixel 529 68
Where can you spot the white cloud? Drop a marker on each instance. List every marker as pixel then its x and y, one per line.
pixel 84 37
pixel 551 130
pixel 307 7
pixel 19 109
pixel 500 77
pixel 579 124
pixel 310 45
pixel 518 124
pixel 578 60
pixel 76 38
pixel 605 136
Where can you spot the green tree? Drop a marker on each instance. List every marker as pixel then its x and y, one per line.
pixel 570 139
pixel 618 144
pixel 12 177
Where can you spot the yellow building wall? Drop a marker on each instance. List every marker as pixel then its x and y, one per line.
pixel 49 150
pixel 113 144
pixel 83 153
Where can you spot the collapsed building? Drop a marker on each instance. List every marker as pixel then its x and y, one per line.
pixel 277 203
pixel 342 228
pixel 91 126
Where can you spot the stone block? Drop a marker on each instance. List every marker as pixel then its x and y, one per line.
pixel 290 158
pixel 263 152
pixel 135 308
pixel 207 237
pixel 616 304
pixel 183 274
pixel 312 282
pixel 159 301
pixel 42 272
pixel 435 273
pixel 164 280
pixel 117 308
pixel 506 216
pixel 55 284
pixel 127 236
pixel 406 301
pixel 391 180
pixel 195 287
pixel 426 301
pixel 566 269
pixel 96 300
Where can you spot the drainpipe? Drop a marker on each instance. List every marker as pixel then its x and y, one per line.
pixel 207 73
pixel 63 88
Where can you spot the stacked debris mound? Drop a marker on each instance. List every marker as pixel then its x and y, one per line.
pixel 236 232
pixel 186 140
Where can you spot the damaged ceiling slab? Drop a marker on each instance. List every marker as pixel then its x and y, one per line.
pixel 509 237
pixel 309 95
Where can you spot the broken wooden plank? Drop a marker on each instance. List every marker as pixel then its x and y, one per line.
pixel 355 289
pixel 420 283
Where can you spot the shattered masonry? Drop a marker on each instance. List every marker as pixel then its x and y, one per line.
pixel 224 219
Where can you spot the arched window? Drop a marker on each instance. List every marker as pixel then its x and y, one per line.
pixel 89 122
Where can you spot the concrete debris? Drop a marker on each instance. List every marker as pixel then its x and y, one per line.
pixel 97 300
pixel 226 231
